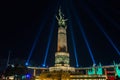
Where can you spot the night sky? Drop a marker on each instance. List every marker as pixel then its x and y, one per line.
pixel 22 21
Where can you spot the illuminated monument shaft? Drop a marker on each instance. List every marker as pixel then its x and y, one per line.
pixel 62 55
pixel 62 40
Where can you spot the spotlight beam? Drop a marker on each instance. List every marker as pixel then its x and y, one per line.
pixel 110 40
pixel 49 41
pixel 36 39
pixel 72 37
pixel 91 15
pixel 50 36
pixel 83 34
pixel 87 44
pixel 108 17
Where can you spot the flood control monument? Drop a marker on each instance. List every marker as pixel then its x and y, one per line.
pixel 62 69
pixel 62 61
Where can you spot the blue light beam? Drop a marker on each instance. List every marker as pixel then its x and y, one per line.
pixel 83 34
pixel 50 36
pixel 108 17
pixel 87 44
pixel 91 15
pixel 110 40
pixel 36 40
pixel 33 47
pixel 48 44
pixel 72 37
pixel 74 45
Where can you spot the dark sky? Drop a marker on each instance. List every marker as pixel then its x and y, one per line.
pixel 21 21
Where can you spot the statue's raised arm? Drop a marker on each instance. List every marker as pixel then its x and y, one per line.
pixel 61 20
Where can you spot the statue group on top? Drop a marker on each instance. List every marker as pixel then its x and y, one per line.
pixel 61 20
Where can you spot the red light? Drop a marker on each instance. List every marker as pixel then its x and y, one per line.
pixel 110 71
pixel 111 78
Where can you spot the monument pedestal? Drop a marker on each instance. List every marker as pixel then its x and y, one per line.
pixel 62 68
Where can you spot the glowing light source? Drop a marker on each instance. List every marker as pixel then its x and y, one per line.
pixel 43 65
pixel 13 65
pixel 117 70
pixel 77 65
pixel 23 77
pixel 92 71
pixel 26 64
pixel 99 70
pixel 27 75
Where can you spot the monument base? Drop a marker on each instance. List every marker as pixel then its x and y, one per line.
pixel 62 68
